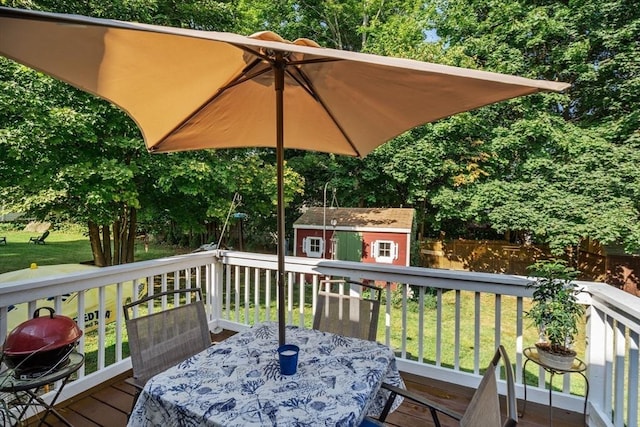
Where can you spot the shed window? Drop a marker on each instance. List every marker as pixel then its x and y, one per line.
pixel 385 251
pixel 313 247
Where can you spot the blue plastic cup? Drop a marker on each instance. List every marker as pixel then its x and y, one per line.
pixel 288 355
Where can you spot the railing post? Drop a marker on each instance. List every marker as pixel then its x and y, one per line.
pixel 215 288
pixel 634 360
pixel 596 358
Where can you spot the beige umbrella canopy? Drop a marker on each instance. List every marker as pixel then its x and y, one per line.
pixel 189 89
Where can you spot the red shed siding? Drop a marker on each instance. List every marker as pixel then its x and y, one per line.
pixel 369 237
pixel 302 233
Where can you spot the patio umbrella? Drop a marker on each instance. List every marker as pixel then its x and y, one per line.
pixel 188 89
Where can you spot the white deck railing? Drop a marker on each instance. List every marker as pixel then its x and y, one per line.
pixel 446 330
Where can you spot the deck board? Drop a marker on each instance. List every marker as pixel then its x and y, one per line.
pixel 409 414
pixel 108 405
pixel 100 412
pixel 115 397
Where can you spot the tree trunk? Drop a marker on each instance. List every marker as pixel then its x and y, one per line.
pixel 116 242
pixel 106 245
pixel 124 234
pixel 96 247
pixel 131 241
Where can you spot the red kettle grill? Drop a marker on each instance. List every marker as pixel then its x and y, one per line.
pixel 41 344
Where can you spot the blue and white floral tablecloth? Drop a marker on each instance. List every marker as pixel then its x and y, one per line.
pixel 238 383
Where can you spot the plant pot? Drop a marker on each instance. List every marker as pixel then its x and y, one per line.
pixel 562 360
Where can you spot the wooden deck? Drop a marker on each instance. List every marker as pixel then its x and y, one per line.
pixel 109 404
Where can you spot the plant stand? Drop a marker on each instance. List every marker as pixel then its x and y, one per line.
pixel 579 367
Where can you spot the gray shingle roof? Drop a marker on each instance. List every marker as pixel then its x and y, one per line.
pixel 401 218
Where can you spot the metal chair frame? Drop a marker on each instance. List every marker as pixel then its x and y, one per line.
pixel 484 408
pixel 162 339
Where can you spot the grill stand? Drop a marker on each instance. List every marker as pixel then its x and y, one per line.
pixel 29 387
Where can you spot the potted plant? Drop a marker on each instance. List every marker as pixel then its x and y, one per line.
pixel 555 311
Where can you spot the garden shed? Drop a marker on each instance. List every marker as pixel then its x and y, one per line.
pixel 373 235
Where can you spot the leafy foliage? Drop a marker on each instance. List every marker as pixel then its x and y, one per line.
pixel 555 309
pixel 74 157
pixel 548 168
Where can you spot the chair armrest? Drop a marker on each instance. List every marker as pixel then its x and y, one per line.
pixel 135 383
pixel 433 406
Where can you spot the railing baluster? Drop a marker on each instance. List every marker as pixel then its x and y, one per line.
pixel 81 324
pixel 32 307
pixel 256 293
pixel 228 269
pixel 477 326
pixel 237 293
pixel 187 282
pixel 247 295
pixel 314 295
pixel 289 301
pixel 519 340
pixel 176 285
pixel 421 292
pixel 404 289
pixel 57 304
pixel 302 287
pixel 609 361
pixel 456 346
pixel 4 324
pixel 163 288
pixel 268 292
pixel 633 412
pixel 387 314
pixel 102 326
pixel 214 283
pixel 619 369
pixel 439 328
pixel 497 323
pixel 118 316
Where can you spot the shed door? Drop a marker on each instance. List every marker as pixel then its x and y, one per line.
pixel 349 246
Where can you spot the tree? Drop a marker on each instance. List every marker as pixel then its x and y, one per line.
pixel 76 157
pixel 556 168
pixel 559 168
pixel 54 144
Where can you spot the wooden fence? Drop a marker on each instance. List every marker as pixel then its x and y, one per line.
pixel 595 262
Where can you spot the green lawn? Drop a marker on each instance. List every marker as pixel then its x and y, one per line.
pixel 61 247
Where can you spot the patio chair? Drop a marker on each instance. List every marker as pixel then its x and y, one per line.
pixel 160 340
pixel 482 411
pixel 39 240
pixel 348 315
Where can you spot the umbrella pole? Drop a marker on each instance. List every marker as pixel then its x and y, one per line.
pixel 278 68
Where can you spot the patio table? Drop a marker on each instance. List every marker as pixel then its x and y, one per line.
pixel 238 383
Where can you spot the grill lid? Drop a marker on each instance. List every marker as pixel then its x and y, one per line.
pixel 41 334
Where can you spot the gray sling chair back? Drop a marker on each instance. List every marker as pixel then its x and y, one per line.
pixel 348 315
pixel 482 411
pixel 162 339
